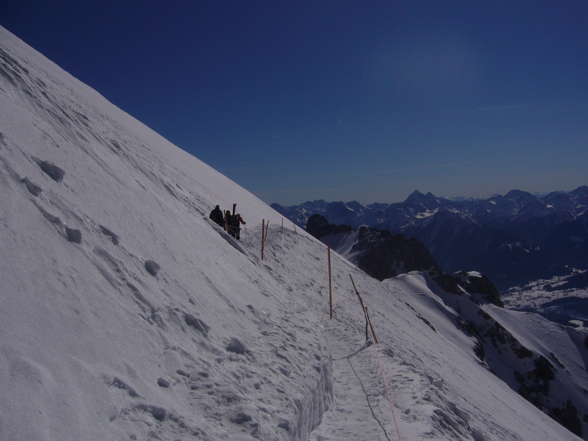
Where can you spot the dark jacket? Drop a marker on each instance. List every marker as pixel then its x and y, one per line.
pixel 217 216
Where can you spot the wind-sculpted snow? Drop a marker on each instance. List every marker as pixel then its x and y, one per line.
pixel 127 314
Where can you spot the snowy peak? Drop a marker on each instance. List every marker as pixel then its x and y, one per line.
pixel 422 204
pixel 580 194
pixel 574 202
pixel 418 197
pixel 350 213
pixel 415 196
pixel 520 197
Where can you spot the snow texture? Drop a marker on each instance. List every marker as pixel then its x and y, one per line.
pixel 127 314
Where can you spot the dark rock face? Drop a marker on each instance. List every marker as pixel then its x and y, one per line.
pixel 479 284
pixel 383 255
pixel 318 226
pixel 568 417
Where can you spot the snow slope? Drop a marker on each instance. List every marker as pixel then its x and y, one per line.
pixel 126 314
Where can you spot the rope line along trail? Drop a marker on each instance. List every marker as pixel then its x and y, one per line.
pixel 369 322
pixel 367 344
pixel 264 232
pixel 368 401
pixel 387 391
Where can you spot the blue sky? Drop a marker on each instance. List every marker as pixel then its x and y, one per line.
pixel 341 100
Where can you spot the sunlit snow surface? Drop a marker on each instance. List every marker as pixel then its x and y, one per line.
pixel 207 341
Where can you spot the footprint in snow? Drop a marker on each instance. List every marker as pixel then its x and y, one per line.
pixel 33 189
pixel 52 170
pixel 152 267
pixel 114 237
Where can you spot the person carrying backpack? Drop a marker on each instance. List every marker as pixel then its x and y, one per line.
pixel 230 223
pixel 238 220
pixel 217 216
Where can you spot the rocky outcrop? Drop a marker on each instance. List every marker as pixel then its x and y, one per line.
pixel 384 255
pixel 379 253
pixel 318 226
pixel 476 283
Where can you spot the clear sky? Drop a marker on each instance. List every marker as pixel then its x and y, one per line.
pixel 362 100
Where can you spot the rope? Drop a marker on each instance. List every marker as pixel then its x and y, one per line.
pixel 368 401
pixel 381 368
pixel 387 391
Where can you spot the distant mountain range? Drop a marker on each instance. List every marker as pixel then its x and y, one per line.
pixel 513 239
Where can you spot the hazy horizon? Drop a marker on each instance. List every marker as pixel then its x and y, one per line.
pixel 536 194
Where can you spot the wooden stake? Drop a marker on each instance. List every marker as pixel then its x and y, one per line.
pixel 367 319
pixel 330 285
pixel 262 236
pixel 282 225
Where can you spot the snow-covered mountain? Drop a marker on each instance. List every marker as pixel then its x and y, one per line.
pixel 127 314
pixel 514 239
